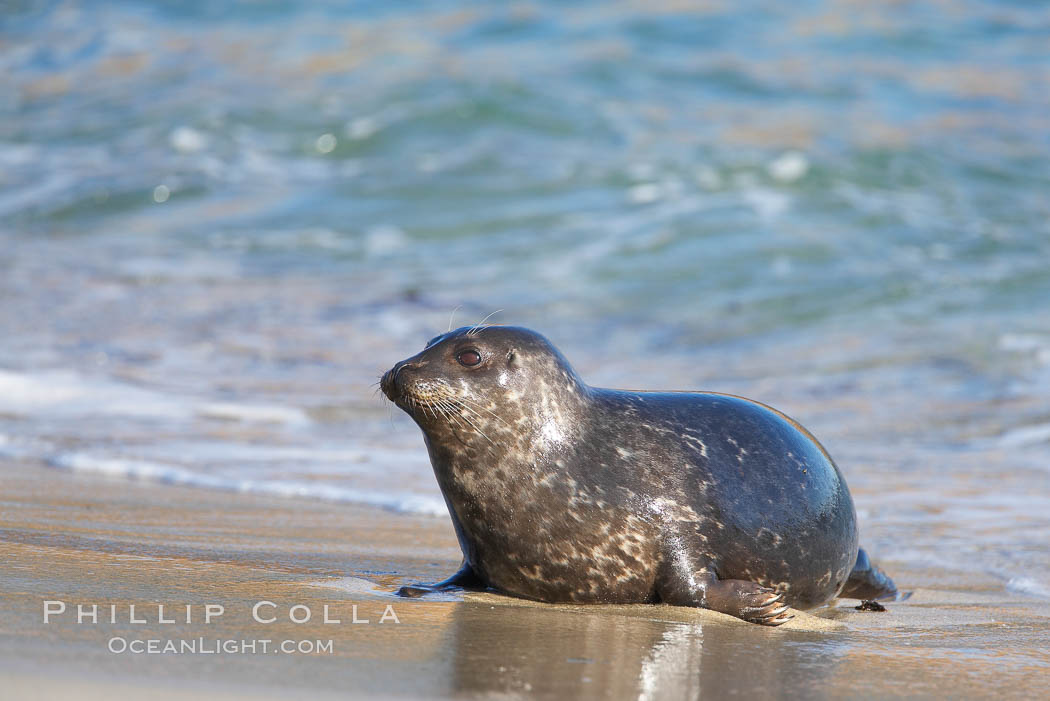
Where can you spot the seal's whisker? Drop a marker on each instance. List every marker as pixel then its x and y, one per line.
pixel 477 405
pixel 450 415
pixel 452 316
pixel 473 412
pixel 446 408
pixel 463 404
pixel 442 408
pixel 453 418
pixel 457 421
pixel 456 411
pixel 477 429
pixel 481 324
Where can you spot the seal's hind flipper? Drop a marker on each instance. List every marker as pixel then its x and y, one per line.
pixel 464 578
pixel 868 582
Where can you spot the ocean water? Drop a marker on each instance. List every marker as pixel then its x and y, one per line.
pixel 221 222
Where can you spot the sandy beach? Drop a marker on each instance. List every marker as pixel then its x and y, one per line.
pixel 86 540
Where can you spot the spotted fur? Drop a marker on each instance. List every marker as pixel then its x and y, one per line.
pixel 562 492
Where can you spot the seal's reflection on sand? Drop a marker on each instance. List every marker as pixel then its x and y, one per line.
pixel 625 652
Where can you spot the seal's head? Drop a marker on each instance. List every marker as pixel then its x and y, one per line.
pixel 476 383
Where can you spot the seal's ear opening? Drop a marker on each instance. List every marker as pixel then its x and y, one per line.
pixel 513 361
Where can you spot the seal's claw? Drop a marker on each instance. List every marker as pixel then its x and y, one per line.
pixel 414 591
pixel 772 611
pixel 760 600
pixel 779 619
pixel 776 596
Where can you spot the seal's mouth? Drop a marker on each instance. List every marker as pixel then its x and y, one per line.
pixel 390 385
pixel 434 404
pixel 419 398
pixel 401 390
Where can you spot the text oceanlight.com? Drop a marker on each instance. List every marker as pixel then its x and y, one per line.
pixel 215 646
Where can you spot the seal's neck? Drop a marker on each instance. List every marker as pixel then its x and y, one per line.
pixel 528 432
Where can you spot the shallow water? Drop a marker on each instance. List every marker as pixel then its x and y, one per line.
pixel 221 226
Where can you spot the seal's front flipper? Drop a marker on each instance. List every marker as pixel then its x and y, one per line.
pixel 749 601
pixel 465 578
pixel 868 582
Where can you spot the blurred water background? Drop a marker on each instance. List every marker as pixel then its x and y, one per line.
pixel 222 221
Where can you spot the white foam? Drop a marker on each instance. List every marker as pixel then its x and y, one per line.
pixel 68 394
pixel 12 155
pixel 16 199
pixel 260 413
pixel 1027 585
pixel 1027 344
pixel 768 204
pixel 645 193
pixel 18 448
pixel 708 178
pixel 788 167
pixel 187 140
pixel 1025 436
pixel 162 473
pixel 385 239
pixel 212 451
pixel 362 127
pixel 1021 343
pixel 133 469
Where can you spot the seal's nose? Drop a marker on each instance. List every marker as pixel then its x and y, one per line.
pixel 389 381
pixel 386 383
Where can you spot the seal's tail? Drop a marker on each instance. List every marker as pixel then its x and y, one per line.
pixel 868 582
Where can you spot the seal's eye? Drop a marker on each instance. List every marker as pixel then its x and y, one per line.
pixel 469 358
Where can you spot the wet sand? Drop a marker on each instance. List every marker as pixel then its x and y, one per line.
pixel 82 539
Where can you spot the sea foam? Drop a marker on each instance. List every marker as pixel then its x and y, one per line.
pixel 162 473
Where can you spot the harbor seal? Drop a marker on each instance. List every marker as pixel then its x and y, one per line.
pixel 562 492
